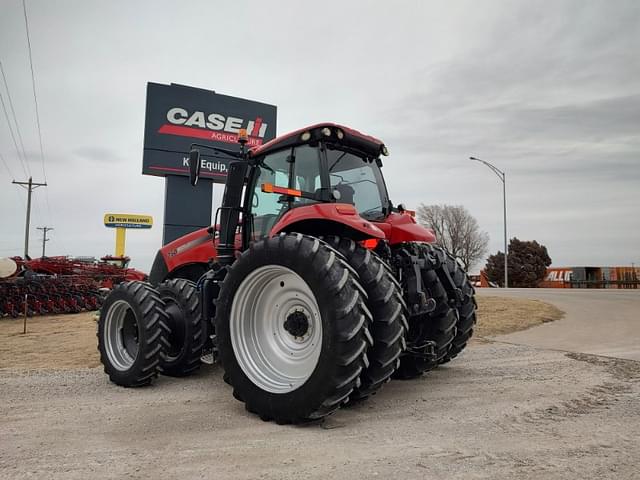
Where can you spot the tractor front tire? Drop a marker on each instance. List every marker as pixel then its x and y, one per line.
pixel 185 322
pixel 292 329
pixel 132 334
pixel 387 308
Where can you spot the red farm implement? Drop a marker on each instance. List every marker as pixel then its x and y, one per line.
pixel 46 286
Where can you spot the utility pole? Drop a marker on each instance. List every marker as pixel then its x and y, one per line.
pixel 30 186
pixel 44 237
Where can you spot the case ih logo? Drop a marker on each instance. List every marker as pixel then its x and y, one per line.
pixel 212 126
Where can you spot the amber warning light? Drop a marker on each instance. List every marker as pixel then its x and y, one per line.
pixel 271 188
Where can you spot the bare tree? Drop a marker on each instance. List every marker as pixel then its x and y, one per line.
pixel 456 230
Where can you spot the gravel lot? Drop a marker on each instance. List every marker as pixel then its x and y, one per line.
pixel 499 411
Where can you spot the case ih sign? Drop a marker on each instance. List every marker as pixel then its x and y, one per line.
pixel 178 116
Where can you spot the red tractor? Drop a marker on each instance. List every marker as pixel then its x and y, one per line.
pixel 312 289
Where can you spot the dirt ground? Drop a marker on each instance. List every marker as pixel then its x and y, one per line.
pixel 69 341
pixel 51 342
pixel 499 410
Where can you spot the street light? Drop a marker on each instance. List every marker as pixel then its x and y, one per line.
pixel 501 176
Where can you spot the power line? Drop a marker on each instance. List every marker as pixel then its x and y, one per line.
pixel 33 84
pixel 26 170
pixel 4 162
pixel 13 112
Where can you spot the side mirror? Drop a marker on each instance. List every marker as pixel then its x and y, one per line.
pixel 194 166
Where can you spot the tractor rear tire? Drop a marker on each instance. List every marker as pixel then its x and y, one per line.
pixel 464 303
pixel 292 329
pixel 186 339
pixel 438 326
pixel 387 308
pixel 132 334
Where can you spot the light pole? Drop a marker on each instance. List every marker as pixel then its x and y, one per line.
pixel 501 175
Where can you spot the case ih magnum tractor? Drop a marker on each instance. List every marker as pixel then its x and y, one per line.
pixel 316 290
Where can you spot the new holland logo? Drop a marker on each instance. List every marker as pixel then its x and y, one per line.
pixel 212 126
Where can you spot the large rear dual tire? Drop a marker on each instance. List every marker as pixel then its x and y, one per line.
pixel 292 329
pixel 437 326
pixel 388 312
pixel 144 331
pixel 462 300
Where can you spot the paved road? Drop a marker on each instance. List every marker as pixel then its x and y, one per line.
pixel 600 322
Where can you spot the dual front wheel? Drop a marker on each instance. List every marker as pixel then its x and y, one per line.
pixel 143 331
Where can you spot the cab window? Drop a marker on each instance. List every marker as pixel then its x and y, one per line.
pixel 357 182
pixel 306 172
pixel 266 208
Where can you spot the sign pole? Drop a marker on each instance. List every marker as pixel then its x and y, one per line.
pixel 120 241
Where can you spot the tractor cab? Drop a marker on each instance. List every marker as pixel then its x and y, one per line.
pixel 286 184
pixel 312 169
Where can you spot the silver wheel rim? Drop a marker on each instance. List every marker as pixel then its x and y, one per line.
pixel 270 355
pixel 122 352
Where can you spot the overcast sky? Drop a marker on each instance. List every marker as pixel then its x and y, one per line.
pixel 548 91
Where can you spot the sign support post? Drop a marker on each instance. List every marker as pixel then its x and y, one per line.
pixel 120 239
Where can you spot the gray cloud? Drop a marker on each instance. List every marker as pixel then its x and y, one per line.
pixel 549 93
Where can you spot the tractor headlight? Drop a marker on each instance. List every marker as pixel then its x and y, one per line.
pixel 339 134
pixel 305 136
pixel 326 132
pixel 384 150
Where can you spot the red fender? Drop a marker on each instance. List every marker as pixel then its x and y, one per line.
pixel 402 227
pixel 327 219
pixel 193 248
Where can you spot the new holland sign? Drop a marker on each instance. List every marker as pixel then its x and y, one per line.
pixel 178 116
pixel 127 220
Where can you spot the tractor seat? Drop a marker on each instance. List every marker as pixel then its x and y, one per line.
pixel 346 193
